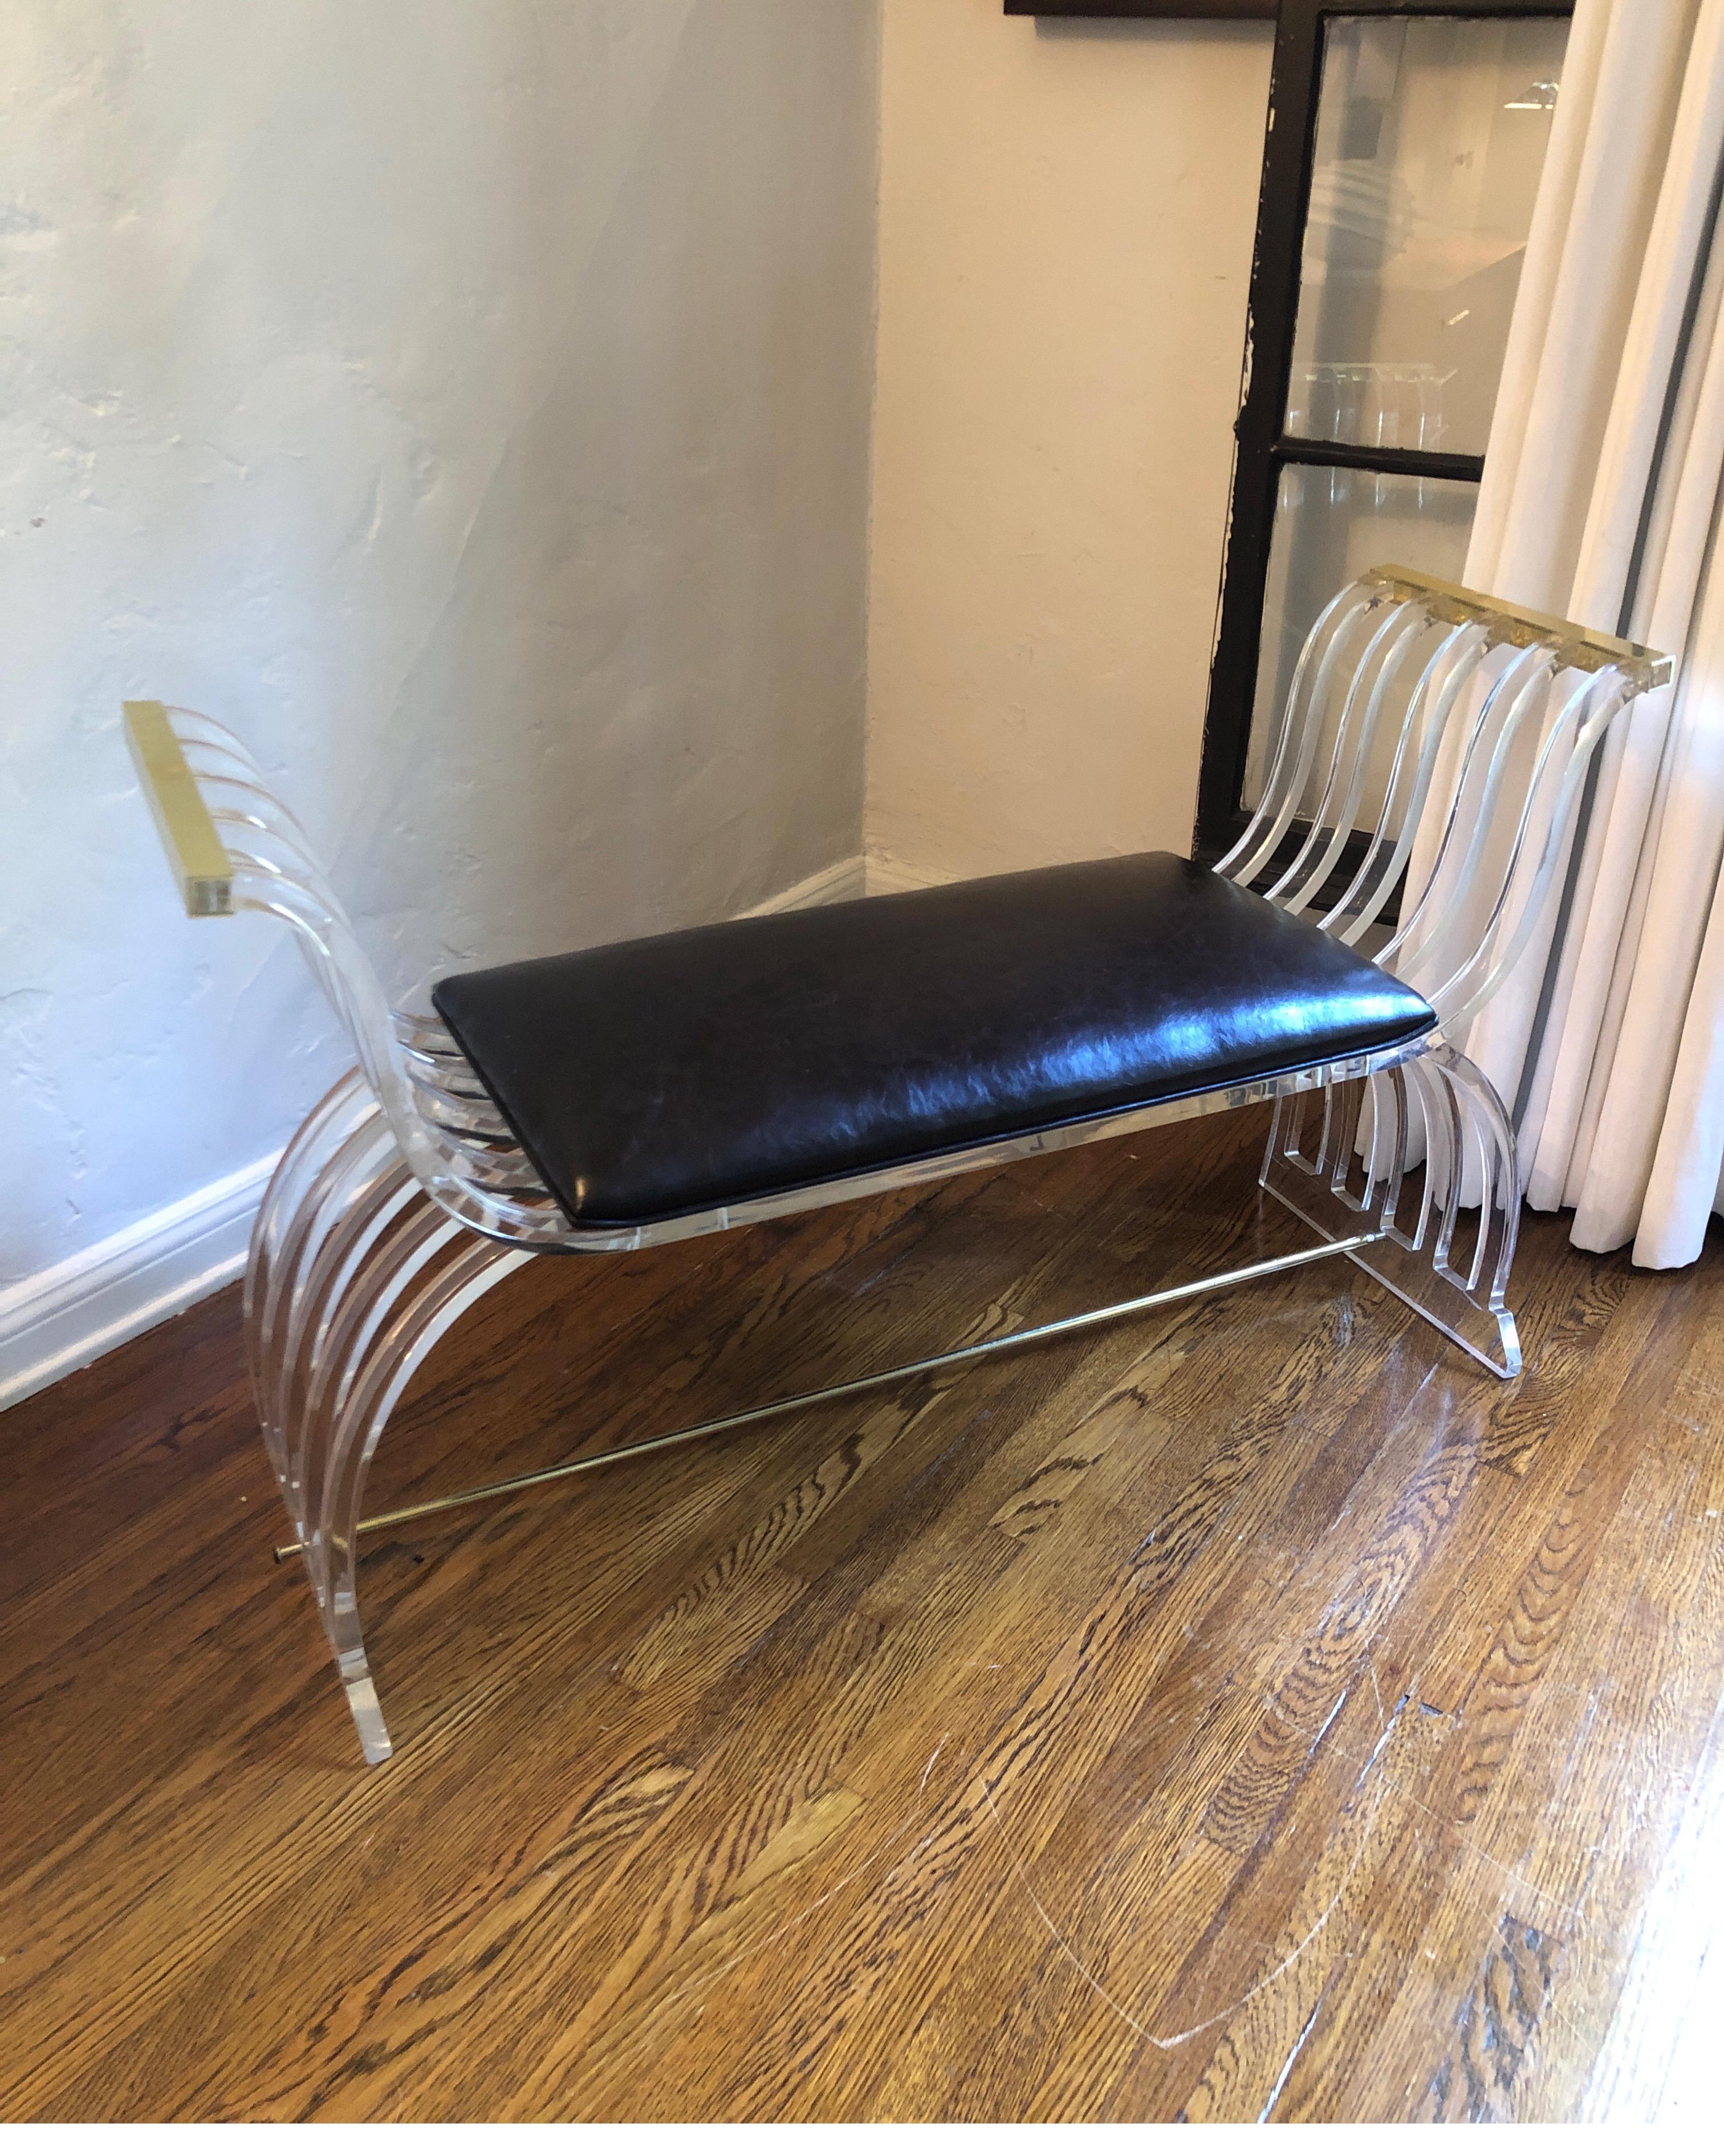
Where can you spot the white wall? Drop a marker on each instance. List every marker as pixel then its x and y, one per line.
pixel 1066 222
pixel 470 401
pixel 466 400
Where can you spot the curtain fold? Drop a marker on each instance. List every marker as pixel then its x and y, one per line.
pixel 1601 502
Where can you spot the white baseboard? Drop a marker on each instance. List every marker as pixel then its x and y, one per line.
pixel 887 872
pixel 846 879
pixel 863 874
pixel 58 1321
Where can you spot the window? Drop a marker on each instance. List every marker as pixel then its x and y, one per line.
pixel 1404 149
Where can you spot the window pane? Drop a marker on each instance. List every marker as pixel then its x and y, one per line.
pixel 1331 526
pixel 1431 136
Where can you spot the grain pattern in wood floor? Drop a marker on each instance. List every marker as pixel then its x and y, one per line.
pixel 1250 1711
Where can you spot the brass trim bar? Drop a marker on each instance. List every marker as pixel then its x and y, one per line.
pixel 1588 650
pixel 492 1492
pixel 195 853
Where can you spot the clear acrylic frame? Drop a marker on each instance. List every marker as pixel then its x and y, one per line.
pixel 404 1198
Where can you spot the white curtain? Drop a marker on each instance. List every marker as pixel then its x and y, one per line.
pixel 1601 502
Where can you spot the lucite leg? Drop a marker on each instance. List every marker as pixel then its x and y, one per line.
pixel 333 1205
pixel 1452 1112
pixel 346 1104
pixel 439 1279
pixel 355 1275
pixel 351 1218
pixel 1500 1181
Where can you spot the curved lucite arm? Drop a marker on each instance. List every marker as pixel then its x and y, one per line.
pixel 1361 720
pixel 1540 838
pixel 236 848
pixel 1426 719
pixel 1503 707
pixel 1460 696
pixel 1299 730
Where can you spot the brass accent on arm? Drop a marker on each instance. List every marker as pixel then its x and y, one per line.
pixel 1587 650
pixel 195 853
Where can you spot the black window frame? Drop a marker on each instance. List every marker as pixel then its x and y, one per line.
pixel 1263 449
pixel 1151 11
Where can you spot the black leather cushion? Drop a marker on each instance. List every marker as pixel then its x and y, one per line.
pixel 692 1070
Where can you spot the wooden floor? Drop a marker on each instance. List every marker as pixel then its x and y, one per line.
pixel 1253 1711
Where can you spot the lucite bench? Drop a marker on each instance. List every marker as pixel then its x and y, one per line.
pixel 686 1084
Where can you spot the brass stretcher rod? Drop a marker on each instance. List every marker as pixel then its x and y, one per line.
pixel 492 1492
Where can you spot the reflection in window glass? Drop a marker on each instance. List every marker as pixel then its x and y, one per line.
pixel 1431 136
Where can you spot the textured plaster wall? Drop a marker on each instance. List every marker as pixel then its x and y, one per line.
pixel 1066 222
pixel 469 401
